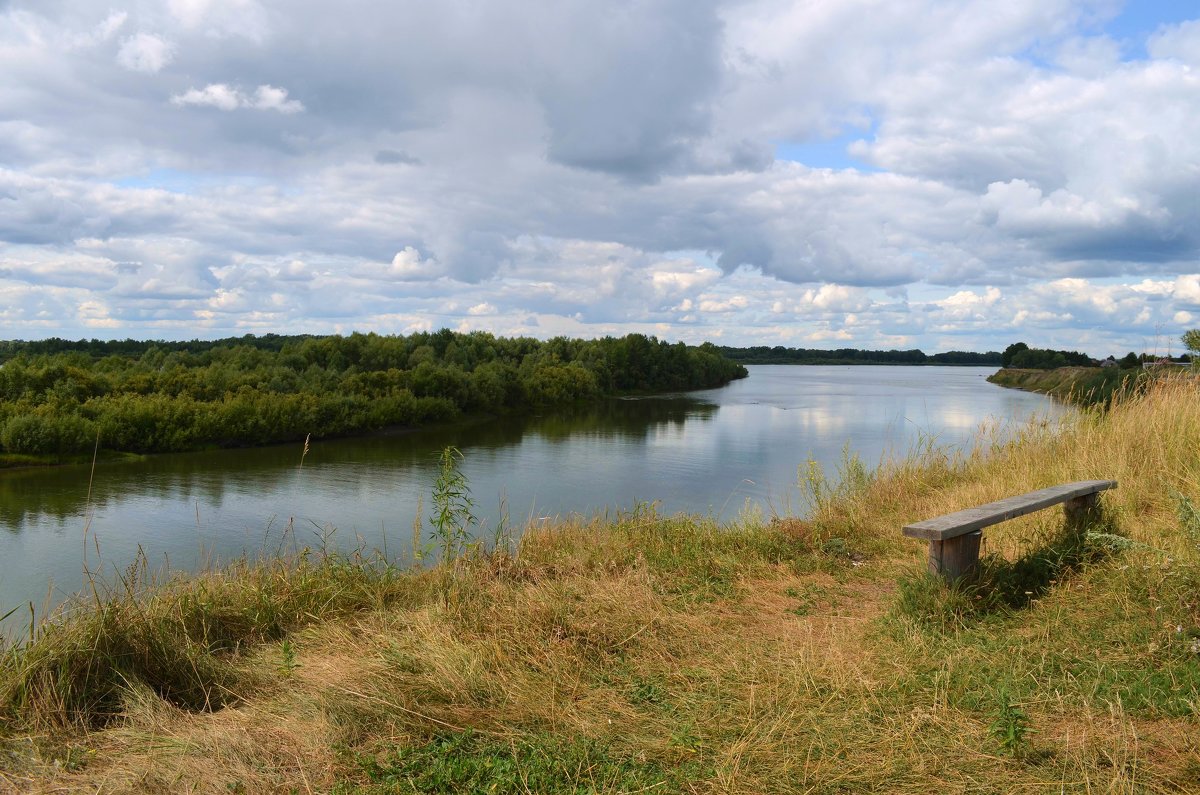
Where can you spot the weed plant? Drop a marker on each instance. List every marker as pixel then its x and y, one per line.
pixel 452 517
pixel 1011 728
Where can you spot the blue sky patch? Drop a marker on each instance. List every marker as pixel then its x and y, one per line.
pixel 1140 19
pixel 167 179
pixel 827 153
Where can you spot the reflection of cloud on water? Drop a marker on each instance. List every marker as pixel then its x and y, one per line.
pixel 820 419
pixel 959 418
pixel 965 421
pixel 824 419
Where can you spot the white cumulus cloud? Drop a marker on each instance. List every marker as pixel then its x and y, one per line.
pixel 225 97
pixel 1187 290
pixel 408 264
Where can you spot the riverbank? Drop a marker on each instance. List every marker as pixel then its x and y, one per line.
pixel 1083 386
pixel 17 461
pixel 671 654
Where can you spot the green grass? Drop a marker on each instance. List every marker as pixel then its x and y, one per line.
pixel 467 761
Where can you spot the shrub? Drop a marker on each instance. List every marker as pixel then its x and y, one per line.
pixel 34 434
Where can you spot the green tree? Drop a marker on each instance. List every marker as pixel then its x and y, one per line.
pixel 1191 341
pixel 1011 352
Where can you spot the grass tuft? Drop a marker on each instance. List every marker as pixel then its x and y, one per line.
pixel 182 639
pixel 467 761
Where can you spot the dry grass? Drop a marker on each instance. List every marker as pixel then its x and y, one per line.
pixel 672 655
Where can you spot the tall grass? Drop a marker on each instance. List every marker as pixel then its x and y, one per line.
pixel 181 639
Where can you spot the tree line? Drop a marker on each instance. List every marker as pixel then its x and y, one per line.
pixel 778 354
pixel 57 396
pixel 1022 356
pixel 1019 355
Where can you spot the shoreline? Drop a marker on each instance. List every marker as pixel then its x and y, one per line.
pixel 1080 386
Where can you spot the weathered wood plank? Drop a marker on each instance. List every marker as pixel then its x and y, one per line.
pixel 959 523
pixel 955 557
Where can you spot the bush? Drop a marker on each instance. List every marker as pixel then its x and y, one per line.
pixel 34 434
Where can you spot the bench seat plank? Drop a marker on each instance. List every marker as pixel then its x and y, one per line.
pixel 952 525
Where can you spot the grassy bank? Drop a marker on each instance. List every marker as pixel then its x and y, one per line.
pixel 670 654
pixel 1084 386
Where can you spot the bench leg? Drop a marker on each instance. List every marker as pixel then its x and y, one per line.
pixel 1081 512
pixel 954 558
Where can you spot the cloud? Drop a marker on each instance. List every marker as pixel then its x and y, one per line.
pixel 731 304
pixel 835 297
pixel 272 98
pixel 406 265
pixel 222 18
pixel 603 168
pixel 227 98
pixel 217 95
pixel 145 52
pixel 1178 42
pixel 640 101
pixel 33 266
pixel 109 27
pixel 1186 290
pixel 681 277
pixel 969 304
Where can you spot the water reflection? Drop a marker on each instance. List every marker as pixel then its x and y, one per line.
pixel 39 495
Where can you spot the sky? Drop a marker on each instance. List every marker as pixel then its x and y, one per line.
pixel 808 173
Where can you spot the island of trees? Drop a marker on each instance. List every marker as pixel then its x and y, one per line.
pixel 57 397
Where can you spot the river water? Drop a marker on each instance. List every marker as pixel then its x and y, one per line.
pixel 713 451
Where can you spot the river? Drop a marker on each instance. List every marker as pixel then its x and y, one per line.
pixel 715 451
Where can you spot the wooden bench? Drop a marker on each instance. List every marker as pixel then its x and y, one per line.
pixel 954 538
